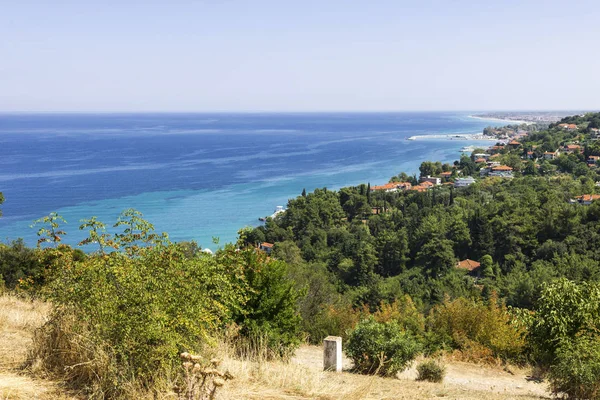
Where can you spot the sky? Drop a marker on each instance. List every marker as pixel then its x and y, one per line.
pixel 303 55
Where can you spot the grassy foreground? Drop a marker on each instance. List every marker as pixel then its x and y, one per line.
pixel 300 379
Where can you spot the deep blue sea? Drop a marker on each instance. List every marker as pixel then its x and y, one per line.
pixel 199 176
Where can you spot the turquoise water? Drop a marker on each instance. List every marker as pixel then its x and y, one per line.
pixel 199 176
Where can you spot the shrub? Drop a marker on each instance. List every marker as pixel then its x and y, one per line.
pixel 381 348
pixel 565 309
pixel 576 371
pixel 477 328
pixel 269 315
pixel 144 309
pixel 17 261
pixel 404 312
pixel 431 371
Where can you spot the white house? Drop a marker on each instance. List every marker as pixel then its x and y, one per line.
pixel 464 182
pixel 551 155
pixel 502 171
pixel 431 179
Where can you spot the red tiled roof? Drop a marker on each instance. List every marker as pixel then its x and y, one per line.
pixel 266 244
pixel 468 264
pixel 427 184
pixel 502 168
pixel 572 126
pixel 391 185
pixel 514 142
pixel 386 186
pixel 480 160
pixel 447 173
pixel 572 147
pixel 588 197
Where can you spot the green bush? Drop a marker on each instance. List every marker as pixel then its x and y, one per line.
pixel 576 371
pixel 381 348
pixel 565 309
pixel 269 315
pixel 480 331
pixel 142 305
pixel 431 371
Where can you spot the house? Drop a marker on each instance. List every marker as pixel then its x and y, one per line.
pixel 503 171
pixel 421 188
pixel 593 160
pixel 594 132
pixel 469 265
pixel 549 155
pixel 266 247
pixel 480 160
pixel 571 148
pixel 464 182
pixel 481 155
pixel 513 144
pixel 392 187
pixel 530 155
pixel 495 149
pixel 446 174
pixel 431 179
pixel 585 199
pixel 569 127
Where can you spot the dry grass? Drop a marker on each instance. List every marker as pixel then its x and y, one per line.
pixel 299 379
pixel 303 379
pixel 18 319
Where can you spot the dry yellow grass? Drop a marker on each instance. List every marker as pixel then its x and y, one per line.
pixel 303 379
pixel 18 319
pixel 300 379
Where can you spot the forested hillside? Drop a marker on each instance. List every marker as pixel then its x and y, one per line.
pixel 361 246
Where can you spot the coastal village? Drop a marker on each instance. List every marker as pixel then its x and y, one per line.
pixel 512 154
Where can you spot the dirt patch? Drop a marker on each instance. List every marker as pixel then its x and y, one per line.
pixel 460 378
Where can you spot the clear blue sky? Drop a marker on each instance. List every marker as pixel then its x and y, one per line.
pixel 256 55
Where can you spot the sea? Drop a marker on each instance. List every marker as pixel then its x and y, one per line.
pixel 203 176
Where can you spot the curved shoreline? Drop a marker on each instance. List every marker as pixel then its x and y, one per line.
pixel 509 121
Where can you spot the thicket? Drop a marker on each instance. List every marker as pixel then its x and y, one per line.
pixel 122 317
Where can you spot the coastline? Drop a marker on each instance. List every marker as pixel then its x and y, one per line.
pixel 455 136
pixel 508 121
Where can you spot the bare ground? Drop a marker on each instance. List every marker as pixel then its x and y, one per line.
pixel 303 378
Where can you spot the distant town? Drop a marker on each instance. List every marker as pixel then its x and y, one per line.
pixel 529 116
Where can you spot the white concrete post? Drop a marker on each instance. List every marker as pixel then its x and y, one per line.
pixel 332 353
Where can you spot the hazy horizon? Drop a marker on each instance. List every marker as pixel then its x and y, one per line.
pixel 267 56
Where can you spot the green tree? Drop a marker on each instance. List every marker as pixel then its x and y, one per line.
pixel 487 266
pixel 437 256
